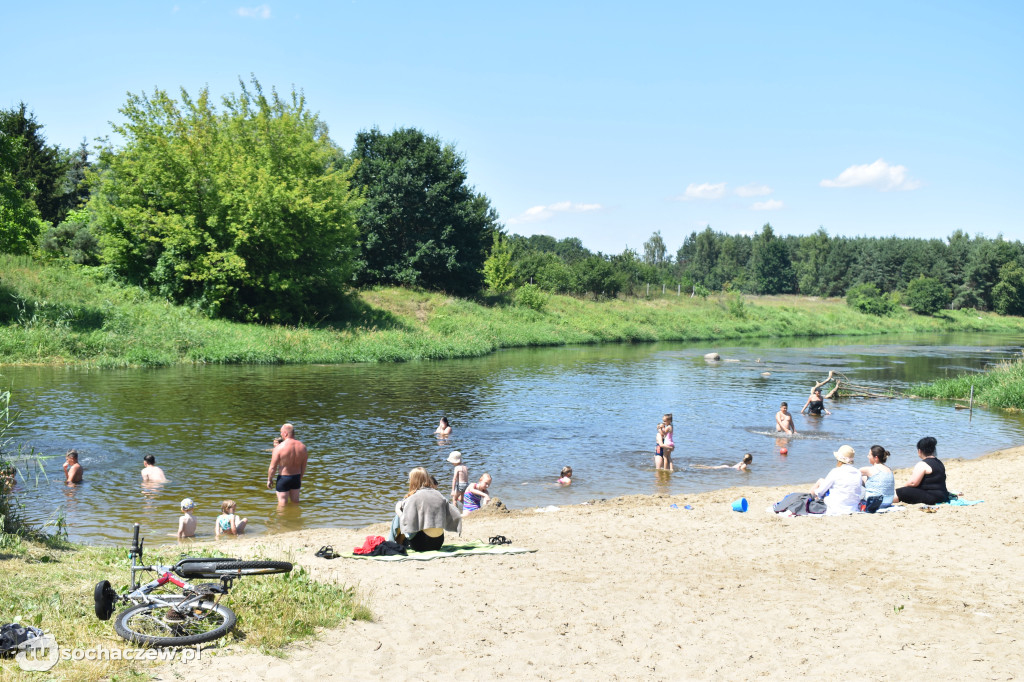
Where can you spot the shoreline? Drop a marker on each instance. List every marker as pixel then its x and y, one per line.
pixel 628 588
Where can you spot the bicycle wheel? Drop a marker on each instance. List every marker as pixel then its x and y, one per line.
pixel 163 625
pixel 230 568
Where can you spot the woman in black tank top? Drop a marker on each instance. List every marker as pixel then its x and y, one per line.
pixel 927 484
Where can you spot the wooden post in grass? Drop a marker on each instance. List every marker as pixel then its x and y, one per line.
pixel 970 414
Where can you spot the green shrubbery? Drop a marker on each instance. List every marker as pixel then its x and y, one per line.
pixel 927 296
pixel 530 296
pixel 869 300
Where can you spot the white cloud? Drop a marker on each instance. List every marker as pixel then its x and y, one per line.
pixel 753 190
pixel 770 205
pixel 260 12
pixel 879 175
pixel 538 213
pixel 704 190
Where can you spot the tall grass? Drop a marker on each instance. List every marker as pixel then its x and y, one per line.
pixel 69 314
pixel 1002 386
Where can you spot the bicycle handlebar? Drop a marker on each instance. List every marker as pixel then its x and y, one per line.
pixel 135 537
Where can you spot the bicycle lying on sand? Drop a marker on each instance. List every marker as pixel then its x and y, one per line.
pixel 192 617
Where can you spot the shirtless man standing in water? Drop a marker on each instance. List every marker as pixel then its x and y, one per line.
pixel 290 457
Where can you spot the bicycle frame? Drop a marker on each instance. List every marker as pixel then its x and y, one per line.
pixel 141 593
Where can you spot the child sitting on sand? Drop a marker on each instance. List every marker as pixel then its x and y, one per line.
pixel 228 521
pixel 187 522
pixel 460 477
pixel 566 478
pixel 748 459
pixel 476 495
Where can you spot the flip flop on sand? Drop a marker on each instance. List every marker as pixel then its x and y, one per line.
pixel 499 540
pixel 326 552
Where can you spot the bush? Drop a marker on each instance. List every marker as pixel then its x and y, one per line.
pixel 868 299
pixel 530 296
pixel 73 239
pixel 927 296
pixel 737 307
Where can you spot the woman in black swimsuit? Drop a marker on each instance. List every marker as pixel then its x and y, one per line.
pixel 816 403
pixel 927 484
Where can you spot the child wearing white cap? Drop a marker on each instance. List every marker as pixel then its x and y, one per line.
pixel 187 522
pixel 460 477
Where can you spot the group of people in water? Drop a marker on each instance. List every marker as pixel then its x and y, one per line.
pixel 424 514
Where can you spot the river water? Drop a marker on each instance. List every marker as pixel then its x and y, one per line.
pixel 520 415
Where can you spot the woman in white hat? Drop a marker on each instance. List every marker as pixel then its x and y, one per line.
pixel 843 484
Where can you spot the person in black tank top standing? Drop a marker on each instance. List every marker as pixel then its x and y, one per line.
pixel 927 484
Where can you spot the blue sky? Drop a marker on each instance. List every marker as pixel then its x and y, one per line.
pixel 604 121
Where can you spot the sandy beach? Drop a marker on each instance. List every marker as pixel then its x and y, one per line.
pixel 631 588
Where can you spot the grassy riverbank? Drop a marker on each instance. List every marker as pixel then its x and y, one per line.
pixel 52 589
pixel 67 315
pixel 1002 386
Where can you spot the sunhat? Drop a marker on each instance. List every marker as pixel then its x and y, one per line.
pixel 187 503
pixel 844 454
pixel 455 457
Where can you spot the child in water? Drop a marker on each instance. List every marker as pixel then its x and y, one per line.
pixel 187 522
pixel 742 465
pixel 460 477
pixel 476 495
pixel 228 521
pixel 566 478
pixel 663 451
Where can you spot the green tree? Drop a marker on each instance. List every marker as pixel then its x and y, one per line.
pixel 770 267
pixel 39 169
pixel 927 296
pixel 19 217
pixel 1008 294
pixel 655 252
pixel 499 271
pixel 811 266
pixel 240 211
pixel 421 224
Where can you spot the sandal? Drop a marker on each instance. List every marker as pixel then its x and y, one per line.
pixel 326 552
pixel 499 540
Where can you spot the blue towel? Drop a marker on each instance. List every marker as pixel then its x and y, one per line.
pixel 963 503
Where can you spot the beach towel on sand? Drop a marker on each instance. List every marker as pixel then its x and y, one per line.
pixel 460 548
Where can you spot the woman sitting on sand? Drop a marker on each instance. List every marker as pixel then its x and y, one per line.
pixel 423 515
pixel 878 479
pixel 927 484
pixel 843 485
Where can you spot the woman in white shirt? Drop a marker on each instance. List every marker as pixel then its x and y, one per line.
pixel 843 484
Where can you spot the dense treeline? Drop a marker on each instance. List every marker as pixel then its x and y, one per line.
pixel 249 211
pixel 926 274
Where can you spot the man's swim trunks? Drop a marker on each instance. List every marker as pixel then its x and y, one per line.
pixel 290 482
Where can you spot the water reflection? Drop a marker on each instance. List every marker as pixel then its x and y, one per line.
pixel 518 415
